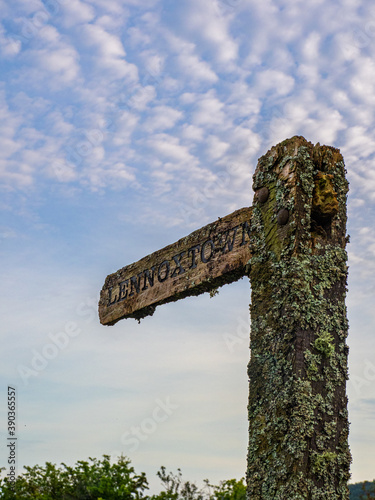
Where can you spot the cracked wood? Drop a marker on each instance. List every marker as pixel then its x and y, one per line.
pixel 212 256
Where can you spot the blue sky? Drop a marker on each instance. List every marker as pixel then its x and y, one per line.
pixel 125 126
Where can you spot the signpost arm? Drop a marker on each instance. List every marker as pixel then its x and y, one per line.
pixel 298 421
pixel 210 257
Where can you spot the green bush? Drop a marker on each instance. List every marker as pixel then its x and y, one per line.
pixel 101 480
pixel 86 481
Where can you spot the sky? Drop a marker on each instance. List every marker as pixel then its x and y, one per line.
pixel 126 125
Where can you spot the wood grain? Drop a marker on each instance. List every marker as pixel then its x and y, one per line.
pixel 209 257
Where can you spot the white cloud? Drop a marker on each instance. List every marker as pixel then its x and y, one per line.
pixel 112 6
pixel 7 233
pixel 243 101
pixel 58 123
pixel 123 127
pixel 215 147
pixel 139 97
pixel 362 81
pixel 153 62
pixel 242 155
pixel 8 147
pixel 10 46
pixel 272 80
pixel 358 143
pixel 192 102
pixel 170 148
pixel 310 74
pixel 12 172
pixel 51 59
pixel 61 170
pixel 209 110
pixel 50 35
pixel 10 121
pixel 306 115
pixel 120 172
pixel 77 12
pixel 188 97
pixel 162 118
pixel 117 6
pixel 112 23
pixel 138 36
pixel 100 175
pixel 348 46
pixel 61 64
pixel 107 45
pixel 110 53
pixel 189 63
pixel 26 8
pixel 206 21
pixel 310 48
pixel 16 174
pixel 192 133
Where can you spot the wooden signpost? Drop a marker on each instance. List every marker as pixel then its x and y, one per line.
pixel 207 258
pixel 291 243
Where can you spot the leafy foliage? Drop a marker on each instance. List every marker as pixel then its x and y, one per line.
pixel 176 489
pixel 362 491
pixel 101 480
pixel 93 480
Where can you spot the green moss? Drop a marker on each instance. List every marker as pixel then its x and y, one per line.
pixel 298 423
pixel 312 365
pixel 323 461
pixel 324 344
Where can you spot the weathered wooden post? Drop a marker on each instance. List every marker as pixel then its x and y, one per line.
pixel 298 421
pixel 291 243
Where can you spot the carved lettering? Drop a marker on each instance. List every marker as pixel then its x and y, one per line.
pixel 204 257
pixel 149 277
pixel 193 250
pixel 122 293
pixel 179 269
pixel 166 275
pixel 246 229
pixel 110 301
pixel 135 284
pixel 228 245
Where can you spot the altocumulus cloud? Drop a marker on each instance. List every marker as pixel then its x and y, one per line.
pixel 126 124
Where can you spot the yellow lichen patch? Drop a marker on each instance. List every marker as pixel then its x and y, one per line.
pixel 325 201
pixel 298 420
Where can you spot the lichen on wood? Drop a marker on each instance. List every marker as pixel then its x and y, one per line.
pixel 298 421
pixel 201 262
